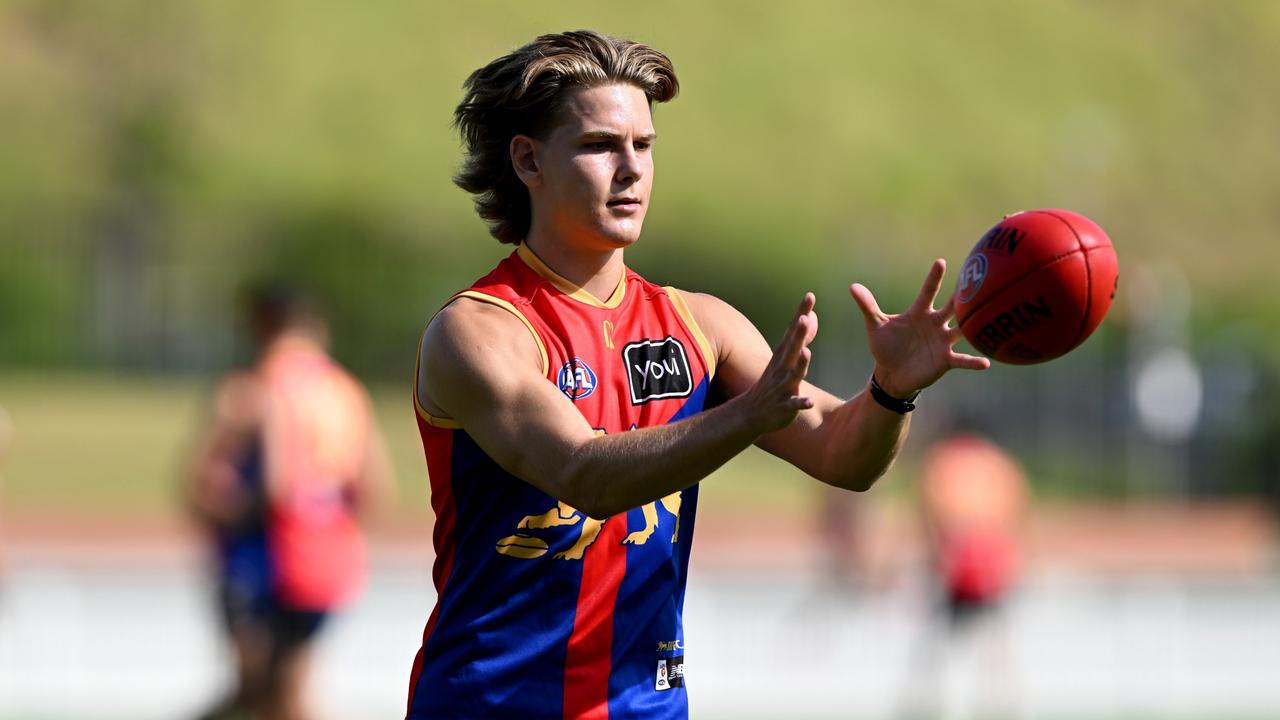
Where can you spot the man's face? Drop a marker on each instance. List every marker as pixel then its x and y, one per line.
pixel 596 169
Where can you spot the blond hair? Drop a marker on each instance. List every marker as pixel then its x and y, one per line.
pixel 522 93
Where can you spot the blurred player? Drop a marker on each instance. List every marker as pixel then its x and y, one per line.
pixel 973 499
pixel 6 434
pixel 562 401
pixel 291 456
pixel 841 523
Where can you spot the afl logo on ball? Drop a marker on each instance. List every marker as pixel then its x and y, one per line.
pixel 971 277
pixel 577 379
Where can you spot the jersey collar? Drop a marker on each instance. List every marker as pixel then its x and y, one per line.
pixel 568 288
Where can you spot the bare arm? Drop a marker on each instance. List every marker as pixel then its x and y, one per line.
pixel 481 367
pixel 847 444
pixel 374 488
pixel 213 489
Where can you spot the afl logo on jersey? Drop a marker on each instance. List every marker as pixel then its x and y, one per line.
pixel 971 277
pixel 577 380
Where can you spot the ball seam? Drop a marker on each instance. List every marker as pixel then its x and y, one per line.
pixel 1088 281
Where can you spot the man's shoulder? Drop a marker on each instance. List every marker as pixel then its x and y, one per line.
pixel 238 398
pixel 490 303
pixel 474 325
pixel 472 310
pixel 473 342
pixel 707 308
pixel 237 384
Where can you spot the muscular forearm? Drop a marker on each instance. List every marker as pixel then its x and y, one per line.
pixel 614 473
pixel 859 442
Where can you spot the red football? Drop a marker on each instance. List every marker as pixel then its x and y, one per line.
pixel 1035 286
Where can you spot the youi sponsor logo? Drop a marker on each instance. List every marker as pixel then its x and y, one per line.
pixel 657 369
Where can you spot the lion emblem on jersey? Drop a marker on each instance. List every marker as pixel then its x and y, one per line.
pixel 528 546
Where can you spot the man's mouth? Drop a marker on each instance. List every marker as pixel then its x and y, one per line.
pixel 624 203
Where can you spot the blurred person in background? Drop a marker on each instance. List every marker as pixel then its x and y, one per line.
pixel 841 523
pixel 568 407
pixel 973 501
pixel 6 435
pixel 292 456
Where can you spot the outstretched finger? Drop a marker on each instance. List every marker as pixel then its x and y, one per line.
pixel 798 337
pixel 796 378
pixel 800 402
pixel 807 304
pixel 799 332
pixel 932 284
pixel 800 370
pixel 962 361
pixel 948 310
pixel 871 312
pixel 954 334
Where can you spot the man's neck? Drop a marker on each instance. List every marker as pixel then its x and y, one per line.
pixel 299 338
pixel 597 272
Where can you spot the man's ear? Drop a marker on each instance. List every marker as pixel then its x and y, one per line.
pixel 525 161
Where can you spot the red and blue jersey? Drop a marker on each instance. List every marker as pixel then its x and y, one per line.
pixel 301 545
pixel 316 437
pixel 543 612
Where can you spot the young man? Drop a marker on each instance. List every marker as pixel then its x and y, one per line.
pixel 973 501
pixel 291 456
pixel 561 401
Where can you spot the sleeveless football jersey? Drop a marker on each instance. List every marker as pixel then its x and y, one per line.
pixel 315 437
pixel 973 495
pixel 543 612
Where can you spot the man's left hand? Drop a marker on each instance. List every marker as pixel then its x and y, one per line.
pixel 915 348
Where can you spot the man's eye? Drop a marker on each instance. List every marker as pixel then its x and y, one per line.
pixel 642 146
pixel 600 146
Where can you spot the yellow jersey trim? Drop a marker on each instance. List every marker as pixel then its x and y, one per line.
pixel 580 294
pixel 708 354
pixel 433 420
pixel 450 423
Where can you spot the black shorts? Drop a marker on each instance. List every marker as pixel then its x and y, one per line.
pixel 285 625
pixel 962 608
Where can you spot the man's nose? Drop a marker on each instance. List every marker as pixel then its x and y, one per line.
pixel 630 169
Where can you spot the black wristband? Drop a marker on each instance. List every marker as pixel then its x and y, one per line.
pixel 889 402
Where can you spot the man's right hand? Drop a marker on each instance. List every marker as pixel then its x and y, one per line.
pixel 774 401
